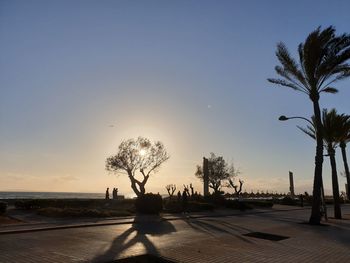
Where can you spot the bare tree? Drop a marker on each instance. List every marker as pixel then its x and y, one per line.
pixel 140 155
pixel 187 190
pixel 192 190
pixel 235 186
pixel 231 181
pixel 171 188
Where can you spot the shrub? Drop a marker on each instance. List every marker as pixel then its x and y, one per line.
pixel 3 207
pixel 288 201
pixel 173 206
pixel 149 204
pixel 236 204
pixel 194 206
pixel 217 199
pixel 260 203
pixel 20 204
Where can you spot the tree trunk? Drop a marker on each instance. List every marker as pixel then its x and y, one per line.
pixel 142 188
pixel 133 184
pixel 215 187
pixel 315 218
pixel 346 167
pixel 335 185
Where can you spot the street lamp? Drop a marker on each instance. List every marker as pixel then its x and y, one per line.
pixel 284 118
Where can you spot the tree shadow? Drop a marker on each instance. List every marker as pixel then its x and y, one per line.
pixel 142 227
pixel 211 229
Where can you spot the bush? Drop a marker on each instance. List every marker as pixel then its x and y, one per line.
pixel 173 206
pixel 3 207
pixel 149 204
pixel 236 204
pixel 289 201
pixel 194 206
pixel 260 203
pixel 217 199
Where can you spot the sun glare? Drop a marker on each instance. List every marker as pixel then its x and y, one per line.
pixel 142 152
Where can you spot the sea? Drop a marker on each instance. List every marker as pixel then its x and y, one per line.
pixel 49 195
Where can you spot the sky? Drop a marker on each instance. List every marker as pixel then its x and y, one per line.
pixel 78 77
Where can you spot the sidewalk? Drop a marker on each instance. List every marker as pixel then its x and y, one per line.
pixel 38 223
pixel 221 236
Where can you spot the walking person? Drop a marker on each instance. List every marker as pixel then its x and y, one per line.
pixel 184 201
pixel 107 193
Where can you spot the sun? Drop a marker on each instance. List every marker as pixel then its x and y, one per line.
pixel 142 152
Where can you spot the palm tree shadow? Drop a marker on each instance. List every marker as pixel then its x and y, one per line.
pixel 211 229
pixel 137 234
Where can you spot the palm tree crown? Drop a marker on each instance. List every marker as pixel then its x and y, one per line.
pixel 344 132
pixel 333 125
pixel 322 62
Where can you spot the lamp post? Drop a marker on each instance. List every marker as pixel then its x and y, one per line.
pixel 284 118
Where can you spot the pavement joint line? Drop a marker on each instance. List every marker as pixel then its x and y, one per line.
pixel 17 231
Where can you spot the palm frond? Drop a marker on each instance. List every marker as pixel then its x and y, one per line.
pixel 285 84
pixel 309 131
pixel 322 61
pixel 329 90
pixel 289 65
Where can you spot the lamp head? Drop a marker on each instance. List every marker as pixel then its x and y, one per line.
pixel 282 118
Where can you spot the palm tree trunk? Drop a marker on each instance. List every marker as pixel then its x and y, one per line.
pixel 315 218
pixel 335 185
pixel 346 167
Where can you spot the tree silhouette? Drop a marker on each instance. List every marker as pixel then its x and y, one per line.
pixel 322 62
pixel 171 188
pixel 344 138
pixel 238 189
pixel 219 172
pixel 231 181
pixel 140 155
pixel 331 123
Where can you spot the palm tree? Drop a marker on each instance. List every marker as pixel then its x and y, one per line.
pixel 344 138
pixel 322 62
pixel 332 123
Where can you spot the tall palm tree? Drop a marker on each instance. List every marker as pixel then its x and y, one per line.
pixel 344 138
pixel 332 123
pixel 322 62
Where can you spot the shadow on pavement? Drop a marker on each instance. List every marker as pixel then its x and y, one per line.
pixel 137 234
pixel 211 227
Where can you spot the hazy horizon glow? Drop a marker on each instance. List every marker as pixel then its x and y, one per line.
pixel 78 77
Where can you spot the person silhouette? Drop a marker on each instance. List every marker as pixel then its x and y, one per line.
pixel 107 193
pixel 179 196
pixel 184 201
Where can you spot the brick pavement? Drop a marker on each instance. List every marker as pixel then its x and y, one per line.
pixel 214 239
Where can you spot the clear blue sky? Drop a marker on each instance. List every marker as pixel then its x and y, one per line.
pixel 189 73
